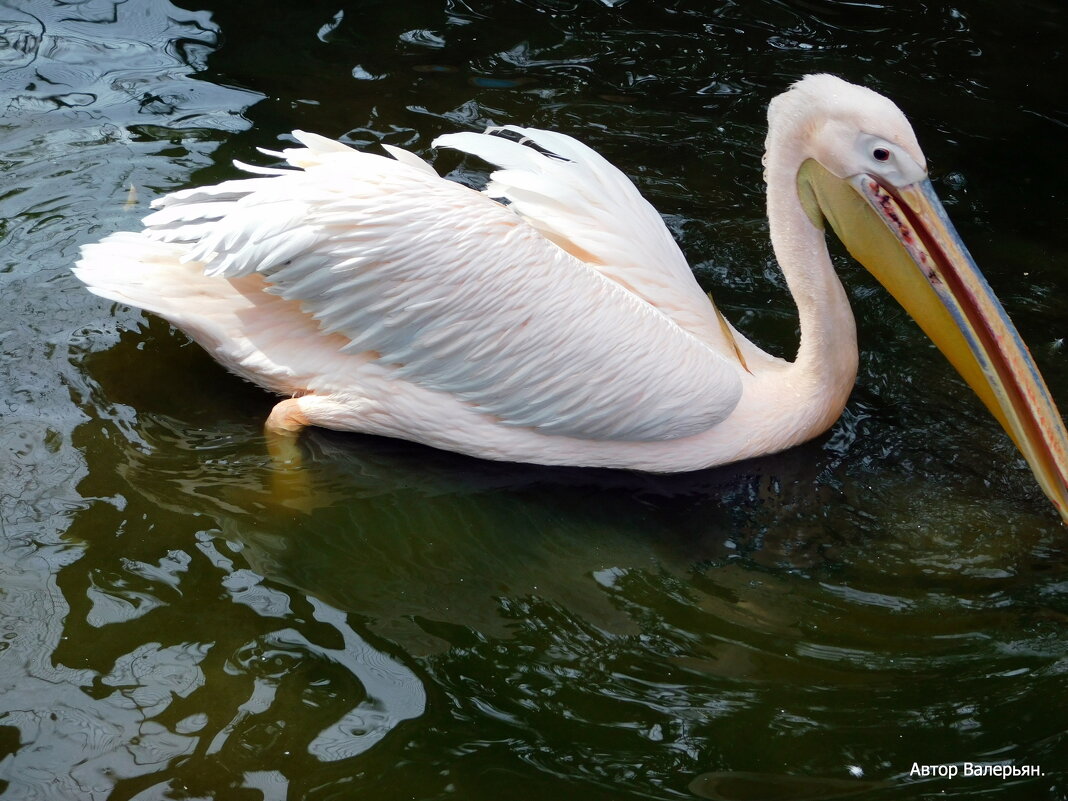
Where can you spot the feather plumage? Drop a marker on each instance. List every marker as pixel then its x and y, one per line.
pixel 454 292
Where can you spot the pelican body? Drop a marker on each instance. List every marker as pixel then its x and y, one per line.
pixel 565 327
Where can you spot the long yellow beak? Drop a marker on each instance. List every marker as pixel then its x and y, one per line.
pixel 911 247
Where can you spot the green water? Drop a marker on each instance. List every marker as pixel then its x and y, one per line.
pixel 429 626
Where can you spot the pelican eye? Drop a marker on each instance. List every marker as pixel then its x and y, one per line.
pixel 881 154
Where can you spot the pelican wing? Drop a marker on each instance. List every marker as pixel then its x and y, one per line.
pixel 454 292
pixel 588 207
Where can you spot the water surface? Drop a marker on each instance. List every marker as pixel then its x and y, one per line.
pixel 430 626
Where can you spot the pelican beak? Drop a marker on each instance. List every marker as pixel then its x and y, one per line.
pixel 903 236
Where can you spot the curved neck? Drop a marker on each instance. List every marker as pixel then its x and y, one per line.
pixel 826 363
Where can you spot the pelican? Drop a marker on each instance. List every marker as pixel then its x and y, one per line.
pixel 563 326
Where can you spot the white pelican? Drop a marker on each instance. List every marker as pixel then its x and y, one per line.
pixel 566 327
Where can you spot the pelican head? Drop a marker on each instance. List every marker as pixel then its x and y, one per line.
pixel 860 168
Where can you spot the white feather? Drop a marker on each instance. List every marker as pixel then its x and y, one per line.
pixel 452 291
pixel 588 207
pixel 412 160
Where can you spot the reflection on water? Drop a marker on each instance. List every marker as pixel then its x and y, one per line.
pixel 399 622
pixel 741 786
pixel 87 60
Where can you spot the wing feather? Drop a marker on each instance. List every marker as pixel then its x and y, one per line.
pixel 455 293
pixel 588 207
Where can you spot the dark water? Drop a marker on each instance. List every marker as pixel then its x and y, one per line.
pixel 429 626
